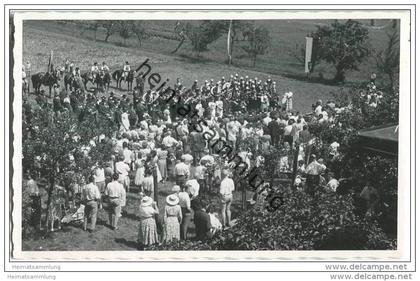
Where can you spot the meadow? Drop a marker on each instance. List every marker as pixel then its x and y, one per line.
pixel 40 37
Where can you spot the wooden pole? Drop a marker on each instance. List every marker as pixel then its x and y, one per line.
pixel 295 162
pixel 155 186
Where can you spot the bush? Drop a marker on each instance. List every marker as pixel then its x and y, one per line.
pixel 326 221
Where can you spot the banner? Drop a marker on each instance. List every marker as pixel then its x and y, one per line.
pixel 308 54
pixel 228 42
pixel 50 65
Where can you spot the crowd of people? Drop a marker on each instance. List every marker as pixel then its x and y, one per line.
pixel 154 146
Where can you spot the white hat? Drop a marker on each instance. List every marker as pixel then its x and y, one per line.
pixel 146 201
pixel 172 200
pixel 176 188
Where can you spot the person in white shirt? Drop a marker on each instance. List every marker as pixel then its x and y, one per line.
pixel 332 184
pixel 168 141
pixel 104 67
pixel 182 173
pixel 128 155
pixel 126 69
pixel 99 175
pixel 318 108
pixel 94 69
pixel 227 186
pixel 219 108
pixel 313 172
pixel 116 195
pixel 267 119
pixel 90 198
pixel 193 188
pixel 214 221
pixel 232 129
pixel 212 108
pixel 123 170
pixel 185 204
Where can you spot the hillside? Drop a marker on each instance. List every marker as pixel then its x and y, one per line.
pixel 40 38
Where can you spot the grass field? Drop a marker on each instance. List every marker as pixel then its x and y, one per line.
pixel 72 237
pixel 38 42
pixel 286 35
pixel 40 37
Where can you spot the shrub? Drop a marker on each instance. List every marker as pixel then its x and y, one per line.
pixel 326 221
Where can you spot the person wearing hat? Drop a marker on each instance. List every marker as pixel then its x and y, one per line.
pixel 115 193
pixel 227 186
pixel 172 218
pixel 147 227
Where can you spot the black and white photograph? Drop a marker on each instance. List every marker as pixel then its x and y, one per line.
pixel 216 131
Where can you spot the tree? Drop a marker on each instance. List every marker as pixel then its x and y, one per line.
pixel 125 30
pixel 237 28
pixel 59 143
pixel 259 41
pixel 138 30
pixel 111 27
pixel 180 31
pixel 93 25
pixel 299 52
pixel 344 45
pixel 388 60
pixel 204 34
pixel 301 222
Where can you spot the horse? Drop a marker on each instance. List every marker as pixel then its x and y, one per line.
pixel 68 81
pixel 87 77
pixel 118 76
pixel 78 83
pixel 103 81
pixel 45 78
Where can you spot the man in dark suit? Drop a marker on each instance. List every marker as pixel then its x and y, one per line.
pixel 201 221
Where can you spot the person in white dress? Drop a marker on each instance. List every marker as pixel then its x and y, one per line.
pixel 125 122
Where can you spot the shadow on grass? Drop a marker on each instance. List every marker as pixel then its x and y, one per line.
pixel 312 79
pixel 192 59
pixel 130 244
pixel 130 216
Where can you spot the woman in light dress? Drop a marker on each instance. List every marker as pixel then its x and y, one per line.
pixel 139 165
pixel 162 155
pixel 172 218
pixel 147 228
pixel 125 122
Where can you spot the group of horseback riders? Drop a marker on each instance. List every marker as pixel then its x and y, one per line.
pixel 73 78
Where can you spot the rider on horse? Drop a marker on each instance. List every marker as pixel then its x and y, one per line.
pixel 76 72
pixel 94 69
pixel 67 65
pixel 126 70
pixel 104 69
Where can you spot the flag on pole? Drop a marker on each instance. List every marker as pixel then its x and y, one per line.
pixel 50 65
pixel 228 42
pixel 308 54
